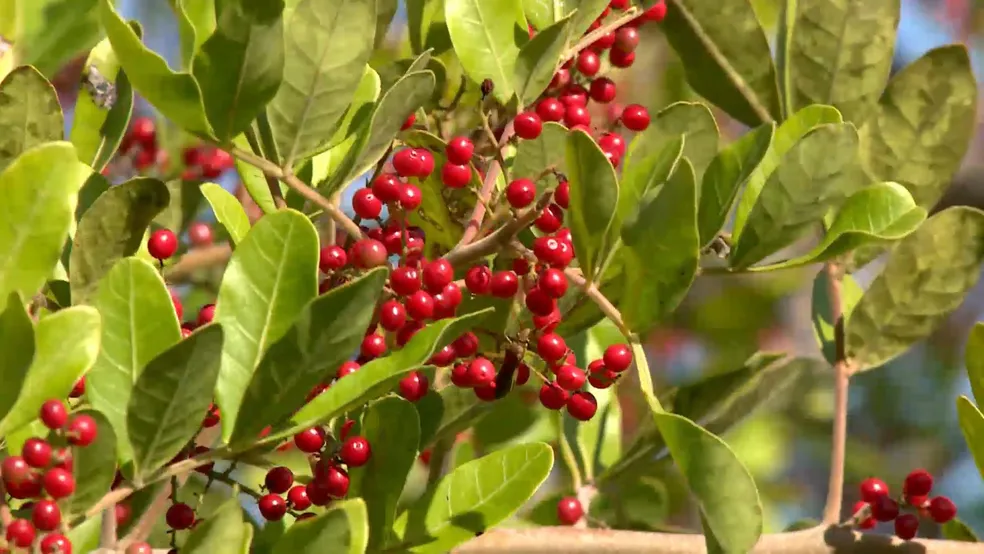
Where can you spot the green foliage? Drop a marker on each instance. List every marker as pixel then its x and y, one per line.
pixel 98 125
pixel 344 526
pixel 223 531
pixel 17 338
pixel 487 36
pixel 537 59
pixel 94 467
pixel 228 211
pixel 29 113
pixel 594 197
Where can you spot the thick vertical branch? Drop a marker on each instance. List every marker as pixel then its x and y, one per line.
pixel 107 534
pixel 835 484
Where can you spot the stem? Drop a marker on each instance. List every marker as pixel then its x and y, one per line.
pixel 272 184
pixel 198 258
pixel 842 369
pixel 488 185
pixel 592 292
pixel 593 36
pixel 228 480
pixel 567 454
pixel 466 253
pixel 107 534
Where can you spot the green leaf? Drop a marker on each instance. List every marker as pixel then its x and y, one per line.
pixel 726 57
pixel 594 198
pixel 661 251
pixel 821 310
pixel 228 211
pixel 393 429
pixel 271 277
pixel 840 53
pixel 344 526
pixel 325 334
pixel 487 37
pixel 927 276
pixel 94 467
pixel 196 23
pixel 170 399
pixel 360 111
pixel 730 509
pixel 240 67
pixel 693 120
pixel 139 323
pixel 815 176
pixel 880 212
pixel 544 13
pixel 973 359
pixel 726 175
pixel 385 10
pixel 475 497
pixel 956 530
pixel 65 346
pixel 254 180
pixel 923 124
pixel 645 175
pixel 17 341
pixel 100 119
pixel 52 32
pixel 447 413
pixel 549 150
pixel 328 45
pixel 375 376
pixel 176 95
pixel 787 135
pixel 112 229
pixel 972 425
pixel 427 27
pixel 29 113
pixel 222 531
pixel 537 60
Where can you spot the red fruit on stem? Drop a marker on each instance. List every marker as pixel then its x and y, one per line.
pixel 355 451
pixel 53 414
pixel 162 244
pixel 550 219
pixel 617 357
pixel 279 479
pixel 551 347
pixel 21 533
pixel 570 377
pixel 918 483
pixel 569 510
pixel 884 509
pixel 456 176
pixel 413 387
pixel 206 314
pixel 37 453
pixel 200 234
pixel 866 523
pixel 656 13
pixel 553 396
pixel 408 122
pixel 310 440
pixel 368 253
pixel 481 372
pixel 627 39
pixel 942 509
pixel 553 282
pixel 272 507
pixel 906 526
pixel 386 187
pixel 588 63
pixel 438 274
pixel 56 543
pixel 405 280
pixel 521 193
pixel 366 205
pixel 82 430
pixel 550 109
pixel 504 284
pixel 45 515
pixel 373 346
pixel 528 125
pixel 392 315
pixel 872 488
pixel 407 162
pixel 180 516
pixel 635 117
pixel 582 405
pixel 58 482
pixel 460 150
pixel 298 498
pixel 478 280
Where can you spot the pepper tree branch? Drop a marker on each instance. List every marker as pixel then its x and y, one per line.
pixel 842 371
pixel 488 185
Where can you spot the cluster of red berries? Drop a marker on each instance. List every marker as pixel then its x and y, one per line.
pixel 42 475
pixel 141 151
pixel 877 506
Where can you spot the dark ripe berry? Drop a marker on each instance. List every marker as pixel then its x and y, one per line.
pixel 569 510
pixel 602 90
pixel 627 39
pixel 200 233
pixel 547 323
pixel 413 387
pixel 560 79
pixel 553 396
pixel 635 117
pixel 540 302
pixel 144 131
pixel 82 430
pixel 405 280
pixel 78 389
pixel 582 405
pixel 310 440
pixel 604 43
pixel 386 187
pixel 460 150
pixel 456 176
pixel 942 509
pixel 612 142
pixel 407 162
pixel 355 451
pixel 58 482
pixel 602 380
pixel 478 279
pixel 56 543
pixel 373 346
pixel 522 374
pixel 466 345
pixel 122 512
pixel 206 314
pixel 408 122
pixel 410 198
pixel 15 470
pixel 656 13
pixel 577 115
pixel 37 453
pixel 620 58
pixel 550 219
pixel 481 372
pixel 918 483
pixel 487 87
pixel 279 479
pixel 570 377
pixel 139 548
pixel 871 488
pixel 574 95
pixel 485 393
pixel 298 499
pixel 504 284
pixel 404 335
pixel 178 308
pixel 368 253
pixel 452 293
pixel 521 193
pixel 53 414
pixel 460 376
pixel 420 305
pixel 45 515
pixel 162 244
pixel 588 63
pixel 553 282
pixel 866 523
pixel 212 418
pixel 562 194
pixel 392 315
pixel 884 509
pixel 618 357
pixel 550 109
pixel 906 526
pixel 438 274
pixel 272 507
pixel 528 125
pixel 180 516
pixel 551 347
pixel 20 533
pixel 426 163
pixel 333 478
pixel 317 493
pixel 366 205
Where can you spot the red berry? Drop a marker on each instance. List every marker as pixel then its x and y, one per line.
pixel 405 280
pixel 504 284
pixel 588 63
pixel 456 176
pixel 551 219
pixel 347 368
pixel 560 79
pixel 460 150
pixel 410 198
pixel 272 507
pixel 317 493
pixel 612 142
pixel 866 523
pixel 200 233
pixel 569 510
pixel 162 244
pixel 550 109
pixel 445 356
pixel 635 117
pixel 438 274
pixel 15 470
pixel 485 393
pixel 906 526
pixel 528 125
pixel 582 405
pixel 872 488
pixel 407 162
pixel 53 414
pixel 521 193
pixel 392 315
pixel 547 323
pixel 78 389
pixel 604 43
pixel 621 58
pixel 366 205
pixel 58 482
pixel 656 13
pixel 37 453
pixel 56 543
pixel 942 509
pixel 553 282
pixel 206 314
pixel 574 95
pixel 602 90
pixel 426 163
pixel 478 279
pixel 45 515
pixel 368 253
pixel 355 451
pixel 82 430
pixel 539 302
pixel 577 115
pixel 884 509
pixel 481 372
pixel 420 305
pixel 551 347
pixel 627 39
pixel 460 377
pixel 180 516
pixel 178 308
pixel 298 498
pixel 408 122
pixel 413 387
pixel 21 533
pixel 279 479
pixel 144 131
pixel 310 440
pixel 553 396
pixel 334 479
pixel 918 483
pixel 373 346
pixel 551 251
pixel 387 187
pixel 570 377
pixel 140 548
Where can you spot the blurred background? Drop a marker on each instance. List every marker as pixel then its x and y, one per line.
pixel 902 416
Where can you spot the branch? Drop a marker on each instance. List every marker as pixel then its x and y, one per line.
pixel 466 253
pixel 107 535
pixel 605 305
pixel 488 185
pixel 842 369
pixel 196 259
pixel 817 540
pixel 592 37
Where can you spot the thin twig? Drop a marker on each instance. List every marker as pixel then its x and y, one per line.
pixel 198 258
pixel 107 534
pixel 592 292
pixel 465 254
pixel 272 184
pixel 592 37
pixel 488 185
pixel 835 484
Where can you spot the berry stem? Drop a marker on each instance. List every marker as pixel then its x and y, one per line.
pixel 567 454
pixel 465 253
pixel 835 483
pixel 592 37
pixel 278 197
pixel 605 305
pixel 488 185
